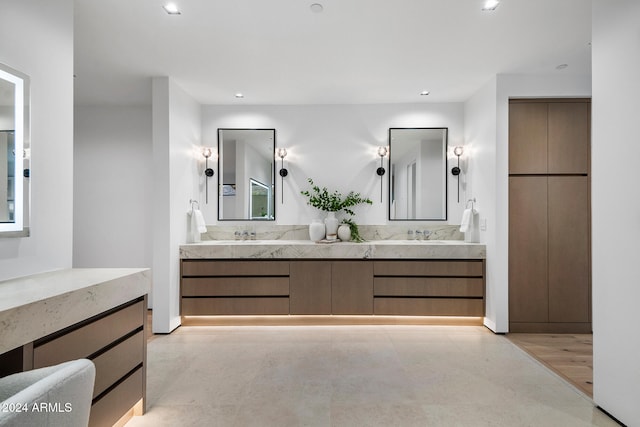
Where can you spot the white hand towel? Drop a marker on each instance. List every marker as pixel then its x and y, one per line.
pixel 200 224
pixel 466 221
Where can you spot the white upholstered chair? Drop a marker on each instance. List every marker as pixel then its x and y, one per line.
pixel 54 396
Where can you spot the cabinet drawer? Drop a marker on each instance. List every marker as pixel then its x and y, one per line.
pixel 117 362
pixel 106 411
pixel 463 268
pixel 234 268
pixel 428 286
pixel 232 286
pixel 235 306
pixel 88 339
pixel 429 306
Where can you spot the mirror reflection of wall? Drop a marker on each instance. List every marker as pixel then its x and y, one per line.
pixel 246 174
pixel 418 174
pixel 14 149
pixel 7 174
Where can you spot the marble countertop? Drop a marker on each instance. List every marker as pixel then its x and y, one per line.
pixel 34 306
pixel 292 249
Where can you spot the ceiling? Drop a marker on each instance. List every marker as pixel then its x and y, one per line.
pixel 354 52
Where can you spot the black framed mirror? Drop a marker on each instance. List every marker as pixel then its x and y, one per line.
pixel 246 171
pixel 418 174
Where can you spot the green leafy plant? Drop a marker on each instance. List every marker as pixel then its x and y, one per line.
pixel 322 199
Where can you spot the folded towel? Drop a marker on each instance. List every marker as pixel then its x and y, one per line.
pixel 200 224
pixel 466 221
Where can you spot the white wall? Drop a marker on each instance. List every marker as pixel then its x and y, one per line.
pixel 112 213
pixel 479 160
pixel 36 37
pixel 176 157
pixel 616 208
pixel 336 145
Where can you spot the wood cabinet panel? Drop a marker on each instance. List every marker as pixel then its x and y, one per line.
pixel 234 268
pixel 527 138
pixel 432 306
pixel 568 143
pixel 117 362
pixel 235 306
pixel 88 339
pixel 235 286
pixel 428 286
pixel 352 287
pixel 429 268
pixel 569 249
pixel 106 411
pixel 528 254
pixel 310 287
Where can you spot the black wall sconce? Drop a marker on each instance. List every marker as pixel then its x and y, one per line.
pixel 455 171
pixel 282 153
pixel 382 152
pixel 208 172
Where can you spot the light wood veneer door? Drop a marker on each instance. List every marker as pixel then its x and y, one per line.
pixel 569 261
pixel 568 144
pixel 527 138
pixel 528 253
pixel 310 287
pixel 352 287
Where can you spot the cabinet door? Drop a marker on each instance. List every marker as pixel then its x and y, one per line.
pixel 569 261
pixel 310 287
pixel 528 254
pixel 568 145
pixel 352 287
pixel 527 138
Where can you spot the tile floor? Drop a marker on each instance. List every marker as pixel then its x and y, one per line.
pixel 354 376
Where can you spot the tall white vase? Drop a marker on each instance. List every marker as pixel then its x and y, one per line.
pixel 331 223
pixel 316 230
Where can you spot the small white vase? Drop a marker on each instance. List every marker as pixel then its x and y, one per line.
pixel 316 230
pixel 344 232
pixel 331 224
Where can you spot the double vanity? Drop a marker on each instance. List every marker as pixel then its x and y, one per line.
pixel 300 277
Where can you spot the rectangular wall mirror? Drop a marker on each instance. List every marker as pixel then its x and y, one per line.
pixel 418 174
pixel 14 153
pixel 246 173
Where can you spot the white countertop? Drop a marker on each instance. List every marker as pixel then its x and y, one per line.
pixel 34 306
pixel 292 249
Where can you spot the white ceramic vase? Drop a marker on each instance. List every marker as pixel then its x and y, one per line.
pixel 316 230
pixel 331 224
pixel 344 232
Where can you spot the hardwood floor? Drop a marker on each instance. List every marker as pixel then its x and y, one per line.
pixel 569 355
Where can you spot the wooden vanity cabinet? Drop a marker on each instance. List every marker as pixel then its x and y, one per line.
pixel 234 287
pixel 438 287
pixel 310 287
pixel 115 341
pixel 338 287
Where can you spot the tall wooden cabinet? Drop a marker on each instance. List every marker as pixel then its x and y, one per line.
pixel 549 216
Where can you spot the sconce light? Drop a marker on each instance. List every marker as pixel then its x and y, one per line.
pixel 456 169
pixel 206 152
pixel 382 152
pixel 282 153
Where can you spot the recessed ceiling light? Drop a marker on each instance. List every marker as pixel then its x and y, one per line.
pixel 171 9
pixel 317 8
pixel 490 4
pixel 562 66
pixel 239 95
pixel 424 93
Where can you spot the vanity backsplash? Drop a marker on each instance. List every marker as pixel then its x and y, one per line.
pixel 264 231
